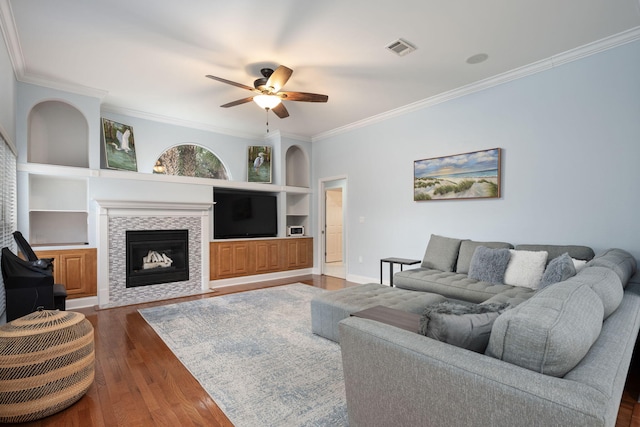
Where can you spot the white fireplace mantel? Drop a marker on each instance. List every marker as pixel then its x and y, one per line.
pixel 129 207
pixel 132 208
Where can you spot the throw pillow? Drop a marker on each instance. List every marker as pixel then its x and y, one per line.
pixel 579 264
pixel 489 265
pixel 525 268
pixel 463 325
pixel 558 270
pixel 441 253
pixel 467 249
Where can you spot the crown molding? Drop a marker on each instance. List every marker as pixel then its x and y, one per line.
pixel 616 40
pixel 108 108
pixel 10 33
pixel 63 86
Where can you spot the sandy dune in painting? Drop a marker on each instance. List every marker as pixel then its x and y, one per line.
pixel 455 188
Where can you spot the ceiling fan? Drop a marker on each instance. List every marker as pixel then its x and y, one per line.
pixel 268 93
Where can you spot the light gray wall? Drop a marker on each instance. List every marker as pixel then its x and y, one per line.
pixel 571 147
pixel 7 94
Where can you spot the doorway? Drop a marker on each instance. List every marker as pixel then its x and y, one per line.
pixel 333 230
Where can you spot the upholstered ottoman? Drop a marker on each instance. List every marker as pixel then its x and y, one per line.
pixel 46 364
pixel 331 307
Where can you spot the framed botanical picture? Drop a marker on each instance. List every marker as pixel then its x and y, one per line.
pixel 474 175
pixel 119 146
pixel 259 164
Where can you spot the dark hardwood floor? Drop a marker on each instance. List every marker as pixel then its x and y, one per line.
pixel 139 382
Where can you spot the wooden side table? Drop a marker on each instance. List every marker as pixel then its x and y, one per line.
pixel 392 261
pixel 391 316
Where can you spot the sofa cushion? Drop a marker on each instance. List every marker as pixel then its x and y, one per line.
pixel 441 253
pixel 463 325
pixel 606 284
pixel 468 247
pixel 525 268
pixel 458 286
pixel 558 270
pixel 554 251
pixel 621 262
pixel 489 265
pixel 550 332
pixel 329 308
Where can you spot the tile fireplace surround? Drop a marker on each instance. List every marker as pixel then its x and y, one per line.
pixel 115 217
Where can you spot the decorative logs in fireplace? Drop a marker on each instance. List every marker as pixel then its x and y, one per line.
pixel 157 256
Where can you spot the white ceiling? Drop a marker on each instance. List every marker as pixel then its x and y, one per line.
pixel 150 57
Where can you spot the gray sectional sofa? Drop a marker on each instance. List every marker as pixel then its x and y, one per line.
pixel 558 356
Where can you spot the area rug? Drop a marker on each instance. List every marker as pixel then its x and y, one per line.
pixel 255 354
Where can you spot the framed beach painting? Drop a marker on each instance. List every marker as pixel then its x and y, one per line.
pixel 474 175
pixel 259 164
pixel 119 146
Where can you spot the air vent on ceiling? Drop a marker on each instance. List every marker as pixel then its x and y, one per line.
pixel 401 47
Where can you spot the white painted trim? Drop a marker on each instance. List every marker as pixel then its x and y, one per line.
pixel 361 279
pixel 33 79
pixel 536 67
pixel 221 283
pixel 10 33
pixel 133 208
pixel 108 108
pixel 320 243
pixel 72 304
pixel 43 169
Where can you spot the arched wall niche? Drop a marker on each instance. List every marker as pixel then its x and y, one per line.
pixel 58 134
pixel 191 160
pixel 297 167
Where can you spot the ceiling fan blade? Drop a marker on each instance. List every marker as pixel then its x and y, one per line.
pixel 229 82
pixel 238 102
pixel 303 96
pixel 280 110
pixel 279 78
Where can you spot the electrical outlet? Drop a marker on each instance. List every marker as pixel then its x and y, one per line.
pixel 360 259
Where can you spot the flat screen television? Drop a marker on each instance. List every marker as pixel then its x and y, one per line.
pixel 239 213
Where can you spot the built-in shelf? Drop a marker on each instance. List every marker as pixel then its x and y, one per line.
pixel 297 167
pixel 58 135
pixel 297 204
pixel 58 228
pixel 58 211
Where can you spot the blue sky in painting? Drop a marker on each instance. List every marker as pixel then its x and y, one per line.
pixel 460 163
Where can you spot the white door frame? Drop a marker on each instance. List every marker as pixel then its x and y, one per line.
pixel 322 186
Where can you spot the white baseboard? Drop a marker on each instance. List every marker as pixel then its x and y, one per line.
pixel 72 304
pixel 363 279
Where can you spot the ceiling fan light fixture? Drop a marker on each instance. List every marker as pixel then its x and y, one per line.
pixel 266 101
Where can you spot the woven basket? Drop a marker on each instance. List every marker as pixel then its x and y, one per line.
pixel 46 364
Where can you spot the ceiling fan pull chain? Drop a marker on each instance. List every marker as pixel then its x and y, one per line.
pixel 267 110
